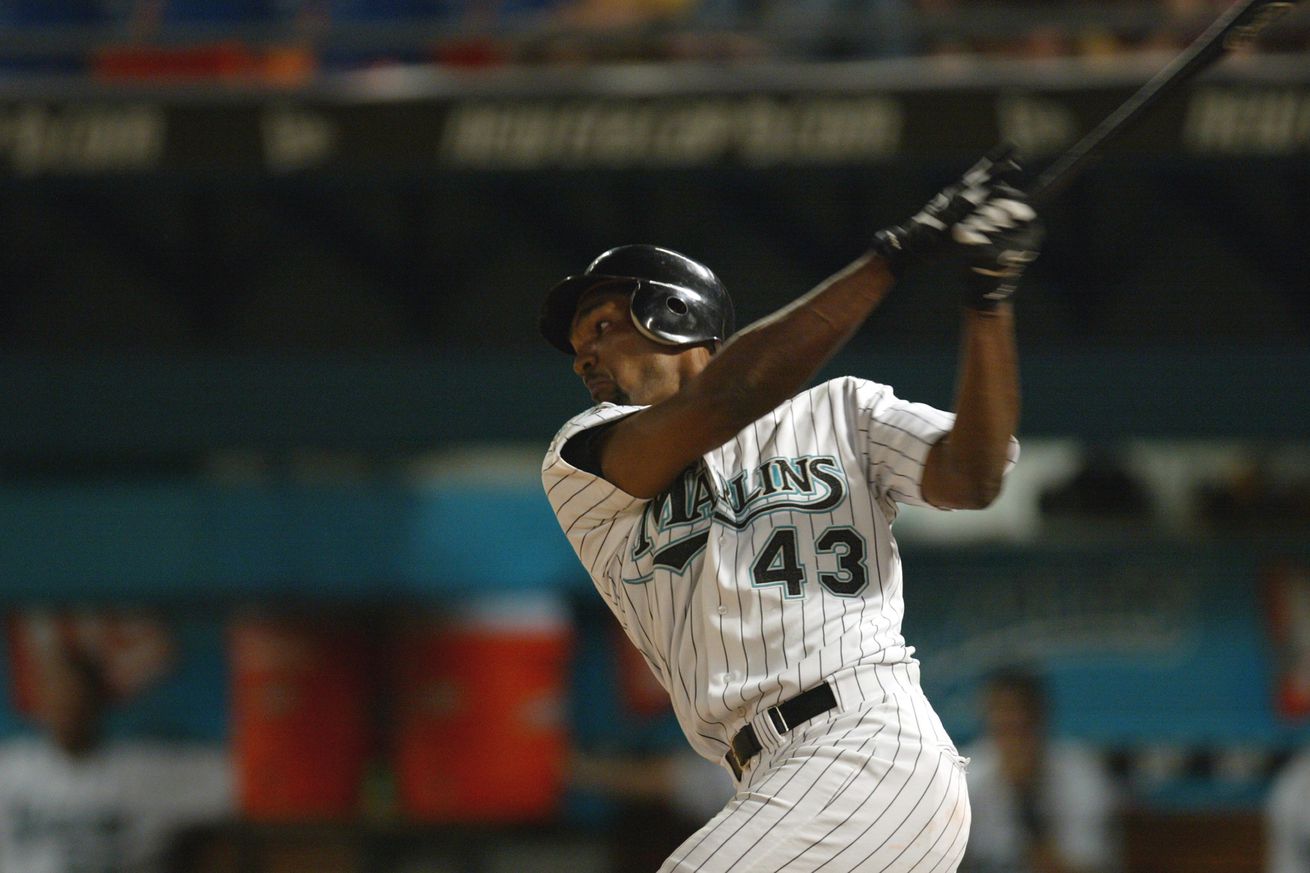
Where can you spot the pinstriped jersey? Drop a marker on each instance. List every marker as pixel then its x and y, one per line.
pixel 769 564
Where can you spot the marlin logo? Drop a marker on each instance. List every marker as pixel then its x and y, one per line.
pixel 676 557
pixel 814 483
pixel 688 502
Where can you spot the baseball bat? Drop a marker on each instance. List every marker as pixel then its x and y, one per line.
pixel 1236 27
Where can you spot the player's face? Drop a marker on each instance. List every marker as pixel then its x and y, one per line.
pixel 620 365
pixel 1015 725
pixel 1013 718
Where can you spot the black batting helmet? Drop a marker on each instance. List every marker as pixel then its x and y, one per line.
pixel 675 300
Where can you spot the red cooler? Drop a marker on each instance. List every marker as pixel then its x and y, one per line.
pixel 479 711
pixel 301 723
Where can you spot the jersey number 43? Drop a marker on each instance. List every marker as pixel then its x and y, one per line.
pixel 778 563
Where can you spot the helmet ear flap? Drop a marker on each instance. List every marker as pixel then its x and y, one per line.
pixel 674 315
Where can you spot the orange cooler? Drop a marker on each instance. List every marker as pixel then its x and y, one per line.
pixel 301 723
pixel 479 712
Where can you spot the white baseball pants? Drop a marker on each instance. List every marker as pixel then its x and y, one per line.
pixel 878 788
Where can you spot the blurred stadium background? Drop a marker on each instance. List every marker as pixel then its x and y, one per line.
pixel 274 404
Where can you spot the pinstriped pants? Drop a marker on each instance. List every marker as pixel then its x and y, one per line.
pixel 877 789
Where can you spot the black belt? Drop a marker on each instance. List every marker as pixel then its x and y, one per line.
pixel 785 716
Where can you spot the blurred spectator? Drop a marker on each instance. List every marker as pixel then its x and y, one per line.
pixel 72 801
pixel 1287 819
pixel 1039 805
pixel 364 34
pixel 609 14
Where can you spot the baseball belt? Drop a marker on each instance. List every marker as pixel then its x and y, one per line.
pixel 785 716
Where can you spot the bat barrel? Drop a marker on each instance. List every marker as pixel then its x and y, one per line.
pixel 1236 27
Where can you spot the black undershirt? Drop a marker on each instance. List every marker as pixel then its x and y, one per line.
pixel 582 450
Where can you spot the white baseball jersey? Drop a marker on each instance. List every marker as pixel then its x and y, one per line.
pixel 769 565
pixel 113 811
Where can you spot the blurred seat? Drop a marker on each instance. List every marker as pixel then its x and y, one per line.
pixel 206 39
pixel 213 60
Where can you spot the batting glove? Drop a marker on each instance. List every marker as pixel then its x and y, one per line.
pixel 1000 238
pixel 928 231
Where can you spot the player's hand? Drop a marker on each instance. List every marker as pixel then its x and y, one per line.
pixel 928 232
pixel 1000 238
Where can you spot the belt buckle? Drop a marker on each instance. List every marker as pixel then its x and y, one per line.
pixel 738 766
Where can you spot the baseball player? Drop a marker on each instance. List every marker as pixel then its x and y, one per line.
pixel 76 801
pixel 739 526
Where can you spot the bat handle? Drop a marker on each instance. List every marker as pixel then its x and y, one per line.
pixel 1054 179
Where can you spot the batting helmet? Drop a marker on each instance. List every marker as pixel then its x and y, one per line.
pixel 675 300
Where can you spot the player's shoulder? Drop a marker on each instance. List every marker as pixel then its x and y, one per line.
pixel 553 465
pixel 602 413
pixel 846 390
pixel 842 400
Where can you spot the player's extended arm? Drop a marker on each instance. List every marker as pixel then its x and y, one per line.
pixel 964 469
pixel 775 357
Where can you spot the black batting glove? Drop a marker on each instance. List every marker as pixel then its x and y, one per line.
pixel 999 238
pixel 928 232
